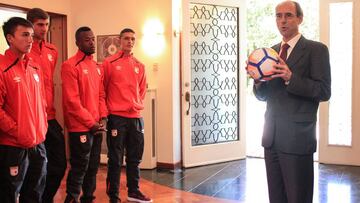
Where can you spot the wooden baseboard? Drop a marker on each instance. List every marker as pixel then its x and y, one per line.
pixel 170 166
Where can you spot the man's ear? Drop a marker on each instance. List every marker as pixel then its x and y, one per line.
pixel 9 38
pixel 301 19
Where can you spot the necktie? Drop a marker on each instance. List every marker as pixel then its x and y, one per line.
pixel 284 49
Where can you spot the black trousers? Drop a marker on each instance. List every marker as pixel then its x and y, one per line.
pixel 124 135
pixel 22 172
pixel 85 151
pixel 56 155
pixel 290 177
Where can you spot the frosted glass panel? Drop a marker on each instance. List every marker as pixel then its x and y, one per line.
pixel 214 74
pixel 341 45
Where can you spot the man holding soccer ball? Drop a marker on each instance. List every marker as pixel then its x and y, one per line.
pixel 302 80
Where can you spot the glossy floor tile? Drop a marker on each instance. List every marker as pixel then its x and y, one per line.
pixel 245 181
pixel 241 181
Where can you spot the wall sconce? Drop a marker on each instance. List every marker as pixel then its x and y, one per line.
pixel 153 42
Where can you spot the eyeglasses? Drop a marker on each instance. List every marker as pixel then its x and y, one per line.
pixel 285 15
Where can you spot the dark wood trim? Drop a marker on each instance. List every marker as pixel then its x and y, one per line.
pixel 170 166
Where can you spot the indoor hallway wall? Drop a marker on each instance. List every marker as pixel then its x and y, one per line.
pixel 110 17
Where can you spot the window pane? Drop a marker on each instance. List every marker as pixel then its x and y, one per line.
pixel 341 72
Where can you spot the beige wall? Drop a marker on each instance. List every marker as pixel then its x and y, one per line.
pixel 109 17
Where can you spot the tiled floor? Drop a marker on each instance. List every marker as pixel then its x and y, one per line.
pixel 245 181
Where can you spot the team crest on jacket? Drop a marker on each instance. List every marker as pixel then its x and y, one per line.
pixel 82 138
pixel 86 71
pixel 17 79
pixel 136 69
pixel 50 57
pixel 36 77
pixel 118 67
pixel 114 132
pixel 14 170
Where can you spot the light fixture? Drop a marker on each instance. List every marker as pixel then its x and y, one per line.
pixel 153 42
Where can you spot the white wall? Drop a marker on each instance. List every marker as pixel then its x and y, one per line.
pixel 109 17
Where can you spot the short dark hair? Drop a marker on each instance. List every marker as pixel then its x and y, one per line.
pixel 80 30
pixel 35 14
pixel 299 11
pixel 10 26
pixel 126 30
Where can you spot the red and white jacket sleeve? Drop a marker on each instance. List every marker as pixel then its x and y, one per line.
pixel 71 96
pixel 7 123
pixel 102 97
pixel 142 86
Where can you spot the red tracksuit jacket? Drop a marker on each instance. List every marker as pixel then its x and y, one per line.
pixel 83 92
pixel 46 54
pixel 125 85
pixel 23 120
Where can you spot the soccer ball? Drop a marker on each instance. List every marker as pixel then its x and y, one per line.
pixel 260 63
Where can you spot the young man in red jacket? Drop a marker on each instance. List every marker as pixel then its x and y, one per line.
pixel 85 116
pixel 23 121
pixel 46 54
pixel 125 87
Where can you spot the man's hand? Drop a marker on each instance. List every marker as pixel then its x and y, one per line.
pixel 281 70
pixel 98 128
pixel 103 125
pixel 95 128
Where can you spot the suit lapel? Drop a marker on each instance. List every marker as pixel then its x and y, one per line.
pixel 297 52
pixel 277 48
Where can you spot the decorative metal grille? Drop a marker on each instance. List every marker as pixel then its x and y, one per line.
pixel 214 74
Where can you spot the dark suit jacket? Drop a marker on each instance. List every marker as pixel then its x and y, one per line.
pixel 291 112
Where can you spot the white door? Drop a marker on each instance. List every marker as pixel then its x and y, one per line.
pixel 213 81
pixel 339 125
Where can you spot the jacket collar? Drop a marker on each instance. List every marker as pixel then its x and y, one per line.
pixel 12 56
pixel 79 55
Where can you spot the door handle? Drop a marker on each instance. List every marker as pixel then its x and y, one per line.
pixel 187 98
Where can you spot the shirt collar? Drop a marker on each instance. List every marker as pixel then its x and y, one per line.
pixel 293 41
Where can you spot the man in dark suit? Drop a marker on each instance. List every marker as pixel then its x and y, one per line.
pixel 302 80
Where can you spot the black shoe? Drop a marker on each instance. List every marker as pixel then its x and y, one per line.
pixel 138 197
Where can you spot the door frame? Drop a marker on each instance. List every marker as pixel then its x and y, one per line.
pixel 336 154
pixel 199 155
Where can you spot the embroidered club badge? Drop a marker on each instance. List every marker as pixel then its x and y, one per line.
pixel 14 170
pixel 82 138
pixel 114 132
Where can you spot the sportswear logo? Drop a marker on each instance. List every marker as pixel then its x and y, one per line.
pixel 114 132
pixel 50 57
pixel 14 170
pixel 86 71
pixel 136 69
pixel 82 138
pixel 118 67
pixel 36 77
pixel 17 79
